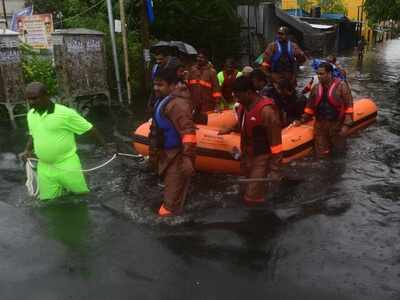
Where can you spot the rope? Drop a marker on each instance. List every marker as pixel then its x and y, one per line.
pixel 31 177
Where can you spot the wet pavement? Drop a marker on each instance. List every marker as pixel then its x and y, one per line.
pixel 332 234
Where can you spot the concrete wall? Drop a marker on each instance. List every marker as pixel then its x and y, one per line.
pixel 80 62
pixel 11 75
pixel 259 25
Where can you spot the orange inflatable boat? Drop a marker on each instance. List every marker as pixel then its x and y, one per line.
pixel 215 153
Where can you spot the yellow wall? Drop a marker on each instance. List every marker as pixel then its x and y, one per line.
pixel 351 7
pixel 289 4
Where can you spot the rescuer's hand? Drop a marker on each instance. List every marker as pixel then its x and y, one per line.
pixel 154 159
pixel 295 123
pixel 344 130
pixel 218 108
pixel 224 131
pixel 25 155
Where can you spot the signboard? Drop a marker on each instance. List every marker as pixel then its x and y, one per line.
pixel 81 46
pixel 36 30
pixel 117 26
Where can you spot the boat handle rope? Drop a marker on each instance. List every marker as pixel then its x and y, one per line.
pixel 31 177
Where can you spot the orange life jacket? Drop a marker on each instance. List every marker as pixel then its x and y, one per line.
pixel 335 103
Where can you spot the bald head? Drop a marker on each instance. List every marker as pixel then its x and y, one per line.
pixel 283 29
pixel 37 95
pixel 36 89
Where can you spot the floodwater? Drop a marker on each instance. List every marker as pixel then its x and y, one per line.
pixel 332 234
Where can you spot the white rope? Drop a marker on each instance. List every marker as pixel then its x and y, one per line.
pixel 130 155
pixel 31 177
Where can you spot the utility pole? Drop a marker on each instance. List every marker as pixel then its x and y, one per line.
pixel 114 49
pixel 126 54
pixel 362 19
pixel 5 12
pixel 145 33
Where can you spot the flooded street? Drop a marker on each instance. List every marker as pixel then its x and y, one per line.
pixel 333 234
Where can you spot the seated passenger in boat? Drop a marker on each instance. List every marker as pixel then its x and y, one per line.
pixel 260 81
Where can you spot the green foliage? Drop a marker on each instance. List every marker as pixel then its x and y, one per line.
pixel 381 10
pixel 92 14
pixel 204 24
pixel 305 4
pixel 39 68
pixel 332 6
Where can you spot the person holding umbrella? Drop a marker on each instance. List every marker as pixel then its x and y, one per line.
pixel 163 60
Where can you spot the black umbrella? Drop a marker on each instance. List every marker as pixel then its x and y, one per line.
pixel 184 47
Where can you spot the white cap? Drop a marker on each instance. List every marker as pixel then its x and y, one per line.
pixel 247 69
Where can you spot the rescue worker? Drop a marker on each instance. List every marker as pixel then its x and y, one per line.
pixel 261 139
pixel 163 60
pixel 226 78
pixel 182 87
pixel 203 84
pixel 174 151
pixel 331 103
pixel 52 130
pixel 282 58
pixel 338 72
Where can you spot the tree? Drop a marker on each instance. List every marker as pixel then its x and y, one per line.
pixel 380 10
pixel 204 24
pixel 92 14
pixel 332 6
pixel 305 4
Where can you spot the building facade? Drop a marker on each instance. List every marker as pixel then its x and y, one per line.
pixel 354 12
pixel 12 6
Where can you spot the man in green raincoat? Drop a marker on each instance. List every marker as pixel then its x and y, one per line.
pixel 52 130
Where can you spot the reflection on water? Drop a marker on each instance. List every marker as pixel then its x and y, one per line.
pixel 68 223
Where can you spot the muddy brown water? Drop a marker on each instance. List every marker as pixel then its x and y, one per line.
pixel 332 234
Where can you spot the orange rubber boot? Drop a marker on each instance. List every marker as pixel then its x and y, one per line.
pixel 163 212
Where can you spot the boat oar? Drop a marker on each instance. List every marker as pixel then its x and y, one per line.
pixel 250 180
